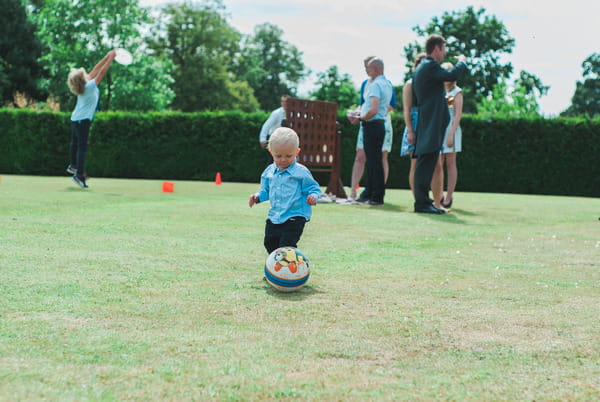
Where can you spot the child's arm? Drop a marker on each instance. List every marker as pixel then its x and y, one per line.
pixel 311 200
pixel 102 67
pixel 253 200
pixel 313 190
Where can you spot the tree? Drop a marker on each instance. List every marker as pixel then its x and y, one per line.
pixel 520 100
pixel 332 87
pixel 586 100
pixel 483 39
pixel 19 52
pixel 272 66
pixel 79 34
pixel 201 43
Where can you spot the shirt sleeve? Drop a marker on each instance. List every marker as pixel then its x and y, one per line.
pixel 273 122
pixel 310 185
pixel 393 100
pixel 265 182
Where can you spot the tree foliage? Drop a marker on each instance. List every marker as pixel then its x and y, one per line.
pixel 202 45
pixel 19 53
pixel 270 65
pixel 586 99
pixel 483 39
pixel 79 34
pixel 333 87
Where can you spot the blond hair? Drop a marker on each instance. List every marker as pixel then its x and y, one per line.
pixel 77 81
pixel 449 66
pixel 284 136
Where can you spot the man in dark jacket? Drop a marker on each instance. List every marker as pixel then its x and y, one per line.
pixel 428 87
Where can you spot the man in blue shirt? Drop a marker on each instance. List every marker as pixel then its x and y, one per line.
pixel 372 118
pixel 290 189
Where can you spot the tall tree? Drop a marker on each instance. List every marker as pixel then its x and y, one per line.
pixel 333 87
pixel 586 100
pixel 19 53
pixel 78 34
pixel 483 39
pixel 272 66
pixel 202 44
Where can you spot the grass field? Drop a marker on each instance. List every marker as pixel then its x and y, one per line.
pixel 122 292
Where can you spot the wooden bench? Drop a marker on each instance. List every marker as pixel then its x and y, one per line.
pixel 320 138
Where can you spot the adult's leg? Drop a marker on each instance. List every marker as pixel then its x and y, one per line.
pixel 386 165
pixel 437 182
pixel 411 174
pixel 357 170
pixel 423 175
pixel 374 133
pixel 452 175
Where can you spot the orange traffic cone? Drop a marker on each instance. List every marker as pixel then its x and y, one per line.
pixel 168 187
pixel 218 179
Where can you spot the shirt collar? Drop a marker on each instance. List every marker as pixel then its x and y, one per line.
pixel 289 168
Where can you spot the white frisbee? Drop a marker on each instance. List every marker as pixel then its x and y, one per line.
pixel 123 56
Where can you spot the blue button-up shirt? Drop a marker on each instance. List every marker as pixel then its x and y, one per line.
pixel 287 191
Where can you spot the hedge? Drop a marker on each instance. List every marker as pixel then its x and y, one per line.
pixel 531 156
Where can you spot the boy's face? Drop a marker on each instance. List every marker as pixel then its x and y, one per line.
pixel 284 155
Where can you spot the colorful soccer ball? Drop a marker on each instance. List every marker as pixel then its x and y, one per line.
pixel 287 269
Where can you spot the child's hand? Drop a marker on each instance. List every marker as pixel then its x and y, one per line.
pixel 311 200
pixel 253 200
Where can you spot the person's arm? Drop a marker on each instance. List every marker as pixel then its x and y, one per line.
pixel 312 188
pixel 99 71
pixel 273 121
pixel 406 109
pixel 393 103
pixel 372 110
pixel 458 106
pixel 440 74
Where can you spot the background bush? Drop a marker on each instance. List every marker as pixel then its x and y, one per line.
pixel 532 156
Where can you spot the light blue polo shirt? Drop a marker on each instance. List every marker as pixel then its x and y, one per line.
pixel 380 88
pixel 86 102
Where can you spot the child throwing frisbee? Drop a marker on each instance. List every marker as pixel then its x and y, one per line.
pixel 85 86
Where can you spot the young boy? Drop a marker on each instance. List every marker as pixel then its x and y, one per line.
pixel 290 188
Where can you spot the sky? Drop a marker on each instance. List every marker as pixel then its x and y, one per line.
pixel 553 38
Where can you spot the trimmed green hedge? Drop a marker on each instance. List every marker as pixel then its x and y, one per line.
pixel 534 156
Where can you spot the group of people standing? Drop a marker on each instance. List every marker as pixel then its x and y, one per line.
pixel 432 105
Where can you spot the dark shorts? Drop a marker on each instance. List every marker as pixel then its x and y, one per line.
pixel 286 234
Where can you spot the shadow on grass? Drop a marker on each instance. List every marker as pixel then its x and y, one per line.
pixel 450 217
pixel 299 295
pixel 387 207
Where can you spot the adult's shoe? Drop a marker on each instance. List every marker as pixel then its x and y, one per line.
pixel 372 203
pixel 71 169
pixel 446 205
pixel 429 209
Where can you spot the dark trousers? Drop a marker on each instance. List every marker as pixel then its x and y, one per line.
pixel 373 135
pixel 286 234
pixel 423 174
pixel 80 132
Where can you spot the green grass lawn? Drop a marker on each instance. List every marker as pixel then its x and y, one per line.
pixel 122 292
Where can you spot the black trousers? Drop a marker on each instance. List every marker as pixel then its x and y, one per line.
pixel 423 174
pixel 286 234
pixel 373 135
pixel 80 132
